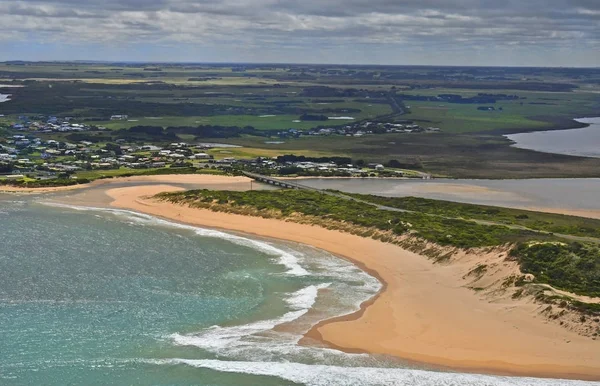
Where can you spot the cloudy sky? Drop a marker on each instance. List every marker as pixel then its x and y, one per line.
pixel 452 32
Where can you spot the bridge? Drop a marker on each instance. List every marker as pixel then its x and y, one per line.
pixel 293 185
pixel 278 182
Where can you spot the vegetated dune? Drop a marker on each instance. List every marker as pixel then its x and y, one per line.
pixel 460 311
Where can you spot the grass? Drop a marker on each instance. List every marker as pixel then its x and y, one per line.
pixel 466 118
pixel 451 232
pixel 279 122
pixel 536 111
pixel 249 152
pixel 456 155
pixel 547 222
pixel 573 267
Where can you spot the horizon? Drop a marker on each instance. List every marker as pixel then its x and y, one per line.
pixel 225 64
pixel 536 33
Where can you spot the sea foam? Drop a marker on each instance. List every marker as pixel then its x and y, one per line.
pixel 320 375
pixel 230 341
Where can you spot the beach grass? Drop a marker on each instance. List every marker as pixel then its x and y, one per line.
pixel 565 264
pixel 546 222
pixel 287 203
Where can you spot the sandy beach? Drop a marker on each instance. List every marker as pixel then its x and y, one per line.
pixel 16 189
pixel 425 313
pixel 191 180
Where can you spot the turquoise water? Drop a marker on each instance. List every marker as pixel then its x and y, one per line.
pixel 94 296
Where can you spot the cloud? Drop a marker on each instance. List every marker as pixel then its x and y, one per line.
pixel 288 26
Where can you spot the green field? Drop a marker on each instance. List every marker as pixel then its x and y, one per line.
pixel 271 97
pixel 276 123
pixel 537 111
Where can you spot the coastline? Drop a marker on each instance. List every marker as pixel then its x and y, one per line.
pixel 536 141
pixel 422 313
pixel 194 181
pixel 560 124
pixel 190 179
pixel 18 189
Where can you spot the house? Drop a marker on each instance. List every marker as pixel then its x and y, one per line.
pixel 151 148
pixel 375 166
pixel 201 156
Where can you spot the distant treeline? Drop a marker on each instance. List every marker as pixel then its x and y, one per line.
pixel 500 85
pixel 201 80
pixel 202 131
pixel 158 133
pixel 454 98
pixel 215 131
pixel 332 92
pixel 313 117
pixel 64 98
pixel 300 158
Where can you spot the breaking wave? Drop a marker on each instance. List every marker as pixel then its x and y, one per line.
pixel 270 347
pixel 320 375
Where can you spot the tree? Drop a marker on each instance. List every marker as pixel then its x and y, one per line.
pixel 114 148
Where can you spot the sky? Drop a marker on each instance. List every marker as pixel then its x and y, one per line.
pixel 397 32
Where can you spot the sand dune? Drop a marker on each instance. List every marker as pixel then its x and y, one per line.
pixel 425 312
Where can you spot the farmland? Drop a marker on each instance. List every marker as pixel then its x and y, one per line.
pixel 441 120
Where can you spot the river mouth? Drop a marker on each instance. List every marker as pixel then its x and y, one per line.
pixel 583 142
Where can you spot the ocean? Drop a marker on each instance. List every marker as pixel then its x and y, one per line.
pixel 96 296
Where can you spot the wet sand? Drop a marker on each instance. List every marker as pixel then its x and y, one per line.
pixel 424 313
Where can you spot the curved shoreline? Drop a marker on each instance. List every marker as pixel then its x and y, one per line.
pixel 523 140
pixel 422 314
pixel 158 178
pixel 562 124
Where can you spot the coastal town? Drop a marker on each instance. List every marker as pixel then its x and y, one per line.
pixel 33 154
pixel 360 129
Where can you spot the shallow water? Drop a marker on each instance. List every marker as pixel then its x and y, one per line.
pixel 102 296
pixel 555 193
pixel 583 142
